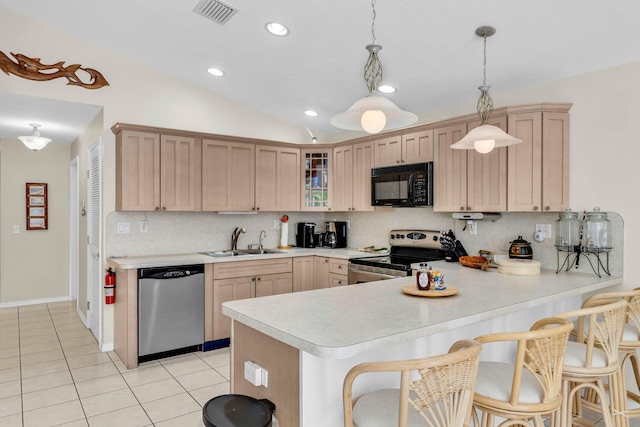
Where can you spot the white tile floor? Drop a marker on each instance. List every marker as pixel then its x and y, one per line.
pixel 52 373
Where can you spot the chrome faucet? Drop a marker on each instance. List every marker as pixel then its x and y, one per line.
pixel 263 235
pixel 234 237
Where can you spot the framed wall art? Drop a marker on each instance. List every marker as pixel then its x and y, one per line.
pixel 36 199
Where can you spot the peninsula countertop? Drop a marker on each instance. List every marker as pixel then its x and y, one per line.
pixel 345 321
pixel 170 260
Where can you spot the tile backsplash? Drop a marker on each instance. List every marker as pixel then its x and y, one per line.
pixel 182 232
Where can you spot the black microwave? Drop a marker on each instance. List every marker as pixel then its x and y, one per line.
pixel 405 185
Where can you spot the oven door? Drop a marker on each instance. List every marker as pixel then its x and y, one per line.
pixel 390 190
pixel 357 276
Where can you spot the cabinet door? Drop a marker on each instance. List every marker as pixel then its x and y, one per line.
pixel 228 176
pixel 388 151
pixel 417 147
pixel 337 280
pixel 363 160
pixel 228 290
pixel 320 273
pixel 487 175
pixel 342 195
pixel 524 180
pixel 555 162
pixel 317 169
pixel 179 178
pixel 274 284
pixel 137 171
pixel 449 170
pixel 303 273
pixel 277 178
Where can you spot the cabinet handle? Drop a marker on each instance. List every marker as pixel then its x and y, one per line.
pixel 547 208
pixel 397 161
pixel 253 208
pixel 157 208
pixel 258 279
pixel 258 208
pixel 535 208
pixel 461 208
pixel 164 208
pixel 468 208
pixel 326 260
pixel 253 279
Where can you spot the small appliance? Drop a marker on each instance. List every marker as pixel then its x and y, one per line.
pixel 521 249
pixel 304 234
pixel 402 186
pixel 339 229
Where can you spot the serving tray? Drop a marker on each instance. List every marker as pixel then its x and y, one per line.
pixel 431 293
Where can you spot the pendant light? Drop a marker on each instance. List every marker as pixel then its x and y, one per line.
pixel 34 141
pixel 485 137
pixel 373 113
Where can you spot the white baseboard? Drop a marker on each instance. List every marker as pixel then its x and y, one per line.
pixel 108 346
pixel 33 302
pixel 83 318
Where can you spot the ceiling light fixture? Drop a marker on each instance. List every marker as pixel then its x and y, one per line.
pixel 386 89
pixel 313 138
pixel 277 29
pixel 373 113
pixel 485 137
pixel 34 141
pixel 215 72
pixel 311 113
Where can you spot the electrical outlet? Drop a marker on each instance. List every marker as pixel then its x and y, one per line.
pixel 276 224
pixel 16 228
pixel 348 224
pixel 473 227
pixel 124 228
pixel 545 228
pixel 143 226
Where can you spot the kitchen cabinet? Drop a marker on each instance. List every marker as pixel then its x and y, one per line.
pixel 277 178
pixel 303 273
pixel 449 170
pixel 538 168
pixel 246 279
pixel 321 278
pixel 413 147
pixel 338 272
pixel 228 176
pixel 317 178
pixel 352 173
pixel 157 172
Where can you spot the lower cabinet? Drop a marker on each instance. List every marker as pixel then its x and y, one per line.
pixel 338 272
pixel 246 279
pixel 317 272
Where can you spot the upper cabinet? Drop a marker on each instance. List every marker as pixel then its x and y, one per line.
pixel 317 176
pixel 449 170
pixel 538 172
pixel 157 172
pixel 352 166
pixel 414 147
pixel 277 178
pixel 228 176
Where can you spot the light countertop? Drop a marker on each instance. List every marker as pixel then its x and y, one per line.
pixel 169 260
pixel 345 321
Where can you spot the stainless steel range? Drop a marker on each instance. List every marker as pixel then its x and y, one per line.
pixel 407 247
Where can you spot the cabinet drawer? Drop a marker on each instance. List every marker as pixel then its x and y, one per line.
pixel 227 270
pixel 337 280
pixel 338 266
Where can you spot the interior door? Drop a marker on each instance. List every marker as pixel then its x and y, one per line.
pixel 94 213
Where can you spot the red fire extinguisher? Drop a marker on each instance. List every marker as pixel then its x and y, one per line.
pixel 110 286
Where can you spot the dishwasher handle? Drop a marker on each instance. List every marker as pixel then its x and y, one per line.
pixel 170 272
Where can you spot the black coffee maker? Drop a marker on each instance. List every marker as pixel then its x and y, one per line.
pixel 304 234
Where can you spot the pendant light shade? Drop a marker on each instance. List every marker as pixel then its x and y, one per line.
pixel 485 137
pixel 34 141
pixel 373 113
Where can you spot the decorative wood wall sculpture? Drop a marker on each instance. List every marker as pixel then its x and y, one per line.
pixel 33 69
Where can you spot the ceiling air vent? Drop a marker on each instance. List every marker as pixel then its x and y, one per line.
pixel 215 10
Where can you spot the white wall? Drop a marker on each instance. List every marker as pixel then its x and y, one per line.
pixel 35 263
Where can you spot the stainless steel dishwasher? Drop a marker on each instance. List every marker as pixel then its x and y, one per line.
pixel 170 310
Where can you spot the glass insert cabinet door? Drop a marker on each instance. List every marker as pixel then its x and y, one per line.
pixel 317 176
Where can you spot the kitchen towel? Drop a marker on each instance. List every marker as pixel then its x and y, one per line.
pixel 284 234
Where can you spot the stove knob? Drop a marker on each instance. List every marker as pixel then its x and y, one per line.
pixel 401 236
pixel 392 236
pixel 435 238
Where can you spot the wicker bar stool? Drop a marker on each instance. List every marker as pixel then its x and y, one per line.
pixel 594 354
pixel 628 345
pixel 441 397
pixel 529 387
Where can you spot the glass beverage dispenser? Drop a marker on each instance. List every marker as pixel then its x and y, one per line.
pixel 597 230
pixel 567 231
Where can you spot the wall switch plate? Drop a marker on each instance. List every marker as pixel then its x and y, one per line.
pixel 473 227
pixel 124 228
pixel 143 226
pixel 16 228
pixel 276 224
pixel 545 228
pixel 348 224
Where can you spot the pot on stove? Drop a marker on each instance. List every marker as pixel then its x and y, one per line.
pixel 520 248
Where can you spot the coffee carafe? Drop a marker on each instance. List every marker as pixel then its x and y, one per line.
pixel 330 240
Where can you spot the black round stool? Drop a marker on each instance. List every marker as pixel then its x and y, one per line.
pixel 236 410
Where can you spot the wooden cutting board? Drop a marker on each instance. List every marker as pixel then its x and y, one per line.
pixel 431 293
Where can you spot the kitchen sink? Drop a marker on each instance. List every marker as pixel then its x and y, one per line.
pixel 240 252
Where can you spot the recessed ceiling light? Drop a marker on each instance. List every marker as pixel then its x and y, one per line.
pixel 311 113
pixel 386 89
pixel 215 72
pixel 277 29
